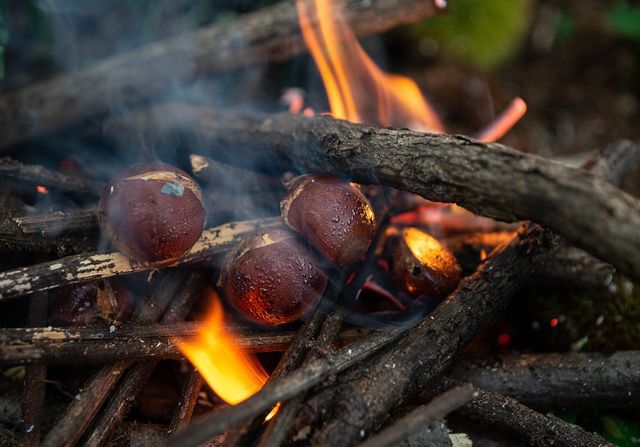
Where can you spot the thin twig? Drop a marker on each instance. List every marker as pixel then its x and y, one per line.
pixel 186 404
pixel 82 219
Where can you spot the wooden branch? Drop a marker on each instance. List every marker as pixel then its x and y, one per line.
pixel 127 390
pixel 269 35
pixel 589 212
pixel 70 428
pixel 82 219
pixel 229 177
pixel 436 409
pixel 188 398
pixel 555 381
pixel 89 267
pixel 40 175
pixel 533 428
pixel 300 380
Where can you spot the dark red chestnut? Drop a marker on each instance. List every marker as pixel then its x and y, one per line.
pixel 422 266
pixel 332 215
pixel 94 302
pixel 152 212
pixel 272 278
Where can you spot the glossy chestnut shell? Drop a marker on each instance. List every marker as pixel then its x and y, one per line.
pixel 422 266
pixel 152 212
pixel 272 277
pixel 332 215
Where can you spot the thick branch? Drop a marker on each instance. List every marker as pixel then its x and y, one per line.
pixel 487 178
pixel 271 34
pixel 89 267
pixel 555 381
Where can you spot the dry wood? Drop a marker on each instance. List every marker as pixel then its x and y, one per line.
pixel 589 212
pixel 533 428
pixel 300 380
pixel 125 394
pixel 89 267
pixel 437 408
pixel 269 35
pixel 91 397
pixel 40 175
pixel 229 177
pixel 82 219
pixel 554 381
pixel 188 398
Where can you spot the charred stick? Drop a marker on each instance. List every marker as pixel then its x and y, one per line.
pixel 88 402
pixel 588 211
pixel 300 380
pixel 84 219
pixel 128 389
pixel 533 428
pixel 271 34
pixel 554 381
pixel 437 408
pixel 186 404
pixel 89 267
pixel 225 176
pixel 34 382
pixel 90 344
pixel 40 175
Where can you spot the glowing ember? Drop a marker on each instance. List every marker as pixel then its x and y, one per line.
pixel 483 254
pixel 42 189
pixel 553 322
pixel 504 339
pixel 359 91
pixel 232 373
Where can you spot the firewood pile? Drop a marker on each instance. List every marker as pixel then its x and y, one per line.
pixel 346 278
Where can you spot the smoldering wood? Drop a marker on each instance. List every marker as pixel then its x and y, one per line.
pixel 430 347
pixel 556 381
pixel 81 411
pixel 298 381
pixel 127 390
pixel 39 175
pixel 269 35
pixel 93 266
pixel 188 398
pixel 533 428
pixel 569 266
pixel 588 211
pixel 437 408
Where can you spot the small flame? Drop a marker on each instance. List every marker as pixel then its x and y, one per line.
pixel 483 254
pixel 359 91
pixel 232 373
pixel 428 250
pixel 42 189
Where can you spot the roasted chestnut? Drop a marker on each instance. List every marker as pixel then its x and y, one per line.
pixel 152 212
pixel 272 277
pixel 332 215
pixel 422 266
pixel 90 303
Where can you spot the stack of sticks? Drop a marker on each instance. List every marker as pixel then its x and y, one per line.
pixel 336 385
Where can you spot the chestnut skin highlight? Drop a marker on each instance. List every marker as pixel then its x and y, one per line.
pixel 152 212
pixel 332 215
pixel 272 277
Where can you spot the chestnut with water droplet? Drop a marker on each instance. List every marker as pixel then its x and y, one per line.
pixel 152 212
pixel 422 266
pixel 332 215
pixel 272 277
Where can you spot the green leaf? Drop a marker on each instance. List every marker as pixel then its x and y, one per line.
pixel 624 19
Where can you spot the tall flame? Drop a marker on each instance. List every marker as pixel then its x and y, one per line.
pixel 231 372
pixel 359 91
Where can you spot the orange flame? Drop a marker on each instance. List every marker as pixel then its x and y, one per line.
pixel 359 91
pixel 231 372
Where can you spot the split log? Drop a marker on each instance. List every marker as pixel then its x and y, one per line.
pixel 90 267
pixel 589 212
pixel 103 344
pixel 300 380
pixel 39 175
pixel 268 35
pixel 555 381
pixel 533 428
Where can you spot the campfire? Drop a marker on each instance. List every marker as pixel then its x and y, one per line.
pixel 339 268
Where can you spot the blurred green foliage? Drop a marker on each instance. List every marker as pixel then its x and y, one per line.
pixel 481 33
pixel 624 19
pixel 621 432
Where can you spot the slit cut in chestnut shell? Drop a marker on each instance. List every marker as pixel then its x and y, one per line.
pixel 332 215
pixel 272 278
pixel 152 212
